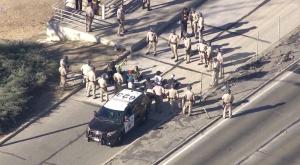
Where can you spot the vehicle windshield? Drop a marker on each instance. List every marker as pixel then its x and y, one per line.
pixel 111 115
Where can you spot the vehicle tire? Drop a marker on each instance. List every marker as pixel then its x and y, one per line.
pixel 88 139
pixel 119 139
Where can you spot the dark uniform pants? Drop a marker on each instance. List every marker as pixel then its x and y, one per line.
pixel 78 4
pixel 89 24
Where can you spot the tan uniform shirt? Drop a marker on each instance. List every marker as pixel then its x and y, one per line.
pixel 90 12
pixel 172 93
pixel 91 76
pixel 158 90
pixel 227 98
pixel 208 51
pixel 187 43
pixel 118 78
pixel 173 39
pixel 62 71
pixel 102 83
pixel 201 47
pixel 62 62
pixel 85 68
pixel 220 57
pixel 189 95
pixel 151 36
pixel 195 17
pixel 120 14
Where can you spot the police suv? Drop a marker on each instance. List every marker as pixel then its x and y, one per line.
pixel 118 116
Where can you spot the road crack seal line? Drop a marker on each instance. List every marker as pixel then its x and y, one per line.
pixel 62 148
pixel 12 154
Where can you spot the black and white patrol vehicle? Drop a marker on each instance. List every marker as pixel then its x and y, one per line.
pixel 118 116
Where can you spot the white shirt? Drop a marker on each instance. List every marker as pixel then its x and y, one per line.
pixel 85 68
pixel 151 36
pixel 220 57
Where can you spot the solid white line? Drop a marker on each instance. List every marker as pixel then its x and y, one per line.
pixel 223 121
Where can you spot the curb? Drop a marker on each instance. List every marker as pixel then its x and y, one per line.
pixel 189 138
pixel 32 120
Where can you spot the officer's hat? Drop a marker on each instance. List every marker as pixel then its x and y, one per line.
pixel 228 91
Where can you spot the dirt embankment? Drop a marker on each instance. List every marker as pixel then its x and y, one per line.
pixel 24 19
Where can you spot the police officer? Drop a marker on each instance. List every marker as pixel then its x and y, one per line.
pixel 64 62
pixel 152 41
pixel 221 60
pixel 227 99
pixel 85 68
pixel 121 20
pixel 208 54
pixel 159 91
pixel 146 2
pixel 215 72
pixel 118 79
pixel 202 52
pixel 91 83
pixel 89 17
pixel 103 87
pixel 188 100
pixel 184 21
pixel 195 18
pixel 188 47
pixel 173 42
pixel 172 96
pixel 200 25
pixel 63 76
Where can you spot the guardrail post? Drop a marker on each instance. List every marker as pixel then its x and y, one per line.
pixel 279 30
pixel 257 40
pixel 61 15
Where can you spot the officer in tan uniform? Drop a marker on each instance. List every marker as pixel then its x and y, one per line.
pixel 121 20
pixel 91 83
pixel 215 72
pixel 172 96
pixel 103 88
pixel 221 60
pixel 188 47
pixel 63 76
pixel 159 91
pixel 173 42
pixel 85 68
pixel 195 16
pixel 152 41
pixel 64 62
pixel 200 26
pixel 208 54
pixel 202 51
pixel 89 17
pixel 227 99
pixel 118 79
pixel 188 100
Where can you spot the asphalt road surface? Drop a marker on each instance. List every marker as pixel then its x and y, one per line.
pixel 59 139
pixel 254 127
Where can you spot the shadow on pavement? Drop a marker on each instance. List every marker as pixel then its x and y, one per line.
pixel 258 109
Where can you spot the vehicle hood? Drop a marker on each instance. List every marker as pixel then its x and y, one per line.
pixel 103 125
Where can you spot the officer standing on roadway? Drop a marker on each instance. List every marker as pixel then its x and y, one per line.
pixel 201 26
pixel 215 72
pixel 227 99
pixel 159 92
pixel 173 42
pixel 188 100
pixel 91 83
pixel 85 68
pixel 188 47
pixel 146 2
pixel 121 20
pixel 202 52
pixel 63 76
pixel 172 96
pixel 152 41
pixel 118 79
pixel 89 17
pixel 221 60
pixel 103 87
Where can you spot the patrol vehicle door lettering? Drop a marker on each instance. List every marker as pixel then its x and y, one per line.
pixel 129 124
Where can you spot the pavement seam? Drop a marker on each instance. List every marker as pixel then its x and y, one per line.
pixel 47 110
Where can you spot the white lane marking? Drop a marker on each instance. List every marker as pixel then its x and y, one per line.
pixel 223 121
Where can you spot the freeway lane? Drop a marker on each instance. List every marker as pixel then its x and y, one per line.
pixel 59 138
pixel 234 139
